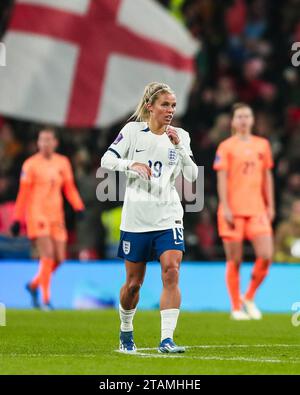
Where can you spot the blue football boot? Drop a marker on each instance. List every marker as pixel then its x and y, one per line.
pixel 126 342
pixel 168 346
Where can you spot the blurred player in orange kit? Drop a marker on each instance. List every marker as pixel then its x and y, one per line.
pixel 246 207
pixel 45 175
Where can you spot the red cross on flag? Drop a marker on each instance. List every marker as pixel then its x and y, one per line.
pixel 86 62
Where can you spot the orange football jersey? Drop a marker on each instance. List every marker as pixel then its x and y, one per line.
pixel 44 180
pixel 245 162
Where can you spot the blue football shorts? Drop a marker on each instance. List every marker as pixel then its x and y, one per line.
pixel 148 246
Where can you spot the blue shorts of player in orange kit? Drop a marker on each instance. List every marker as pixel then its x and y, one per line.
pixel 148 246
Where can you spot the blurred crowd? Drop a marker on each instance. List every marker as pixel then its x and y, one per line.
pixel 245 55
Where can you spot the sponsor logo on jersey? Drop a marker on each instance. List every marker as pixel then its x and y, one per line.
pixel 118 139
pixel 172 156
pixel 126 247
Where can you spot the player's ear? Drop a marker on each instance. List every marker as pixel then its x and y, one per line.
pixel 149 107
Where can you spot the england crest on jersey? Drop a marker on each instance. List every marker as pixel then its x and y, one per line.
pixel 172 156
pixel 126 247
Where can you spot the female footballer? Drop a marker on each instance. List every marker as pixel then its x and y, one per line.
pixel 246 207
pixel 152 153
pixel 44 176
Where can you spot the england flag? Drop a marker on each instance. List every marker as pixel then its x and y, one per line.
pixel 85 62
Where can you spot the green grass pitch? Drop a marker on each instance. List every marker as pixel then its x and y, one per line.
pixel 85 342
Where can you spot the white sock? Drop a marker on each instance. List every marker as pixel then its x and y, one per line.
pixel 168 322
pixel 126 317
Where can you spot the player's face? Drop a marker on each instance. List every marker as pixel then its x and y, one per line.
pixel 47 142
pixel 243 120
pixel 163 109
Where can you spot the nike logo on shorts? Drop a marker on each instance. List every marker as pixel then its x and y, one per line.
pixel 140 150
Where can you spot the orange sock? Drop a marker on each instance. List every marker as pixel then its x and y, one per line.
pixel 260 270
pixel 35 282
pixel 55 266
pixel 233 284
pixel 46 265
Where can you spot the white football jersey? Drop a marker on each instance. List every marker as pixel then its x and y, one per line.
pixel 150 205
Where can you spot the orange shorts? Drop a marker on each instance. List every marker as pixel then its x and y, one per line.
pixel 244 227
pixel 41 227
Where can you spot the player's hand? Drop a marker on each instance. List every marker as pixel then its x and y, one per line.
pixel 15 228
pixel 80 215
pixel 143 170
pixel 271 213
pixel 173 135
pixel 228 217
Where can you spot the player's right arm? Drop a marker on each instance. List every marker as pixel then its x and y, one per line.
pixel 26 180
pixel 221 166
pixel 115 158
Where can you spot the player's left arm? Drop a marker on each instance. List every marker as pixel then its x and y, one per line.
pixel 269 183
pixel 183 149
pixel 69 188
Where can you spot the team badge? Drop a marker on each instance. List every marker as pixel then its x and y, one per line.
pixel 172 156
pixel 126 247
pixel 118 139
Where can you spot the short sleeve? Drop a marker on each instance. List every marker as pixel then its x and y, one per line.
pixel 121 144
pixel 221 158
pixel 27 173
pixel 268 158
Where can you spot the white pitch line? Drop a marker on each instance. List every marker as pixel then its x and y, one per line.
pixel 228 346
pixel 240 359
pixel 216 358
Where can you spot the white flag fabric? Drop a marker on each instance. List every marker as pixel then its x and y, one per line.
pixel 86 62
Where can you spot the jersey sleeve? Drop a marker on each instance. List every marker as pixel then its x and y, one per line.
pixel 186 141
pixel 26 181
pixel 27 174
pixel 121 144
pixel 67 171
pixel 188 166
pixel 69 187
pixel 221 159
pixel 268 158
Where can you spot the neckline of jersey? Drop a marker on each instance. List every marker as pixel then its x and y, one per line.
pixel 44 157
pixel 245 141
pixel 156 134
